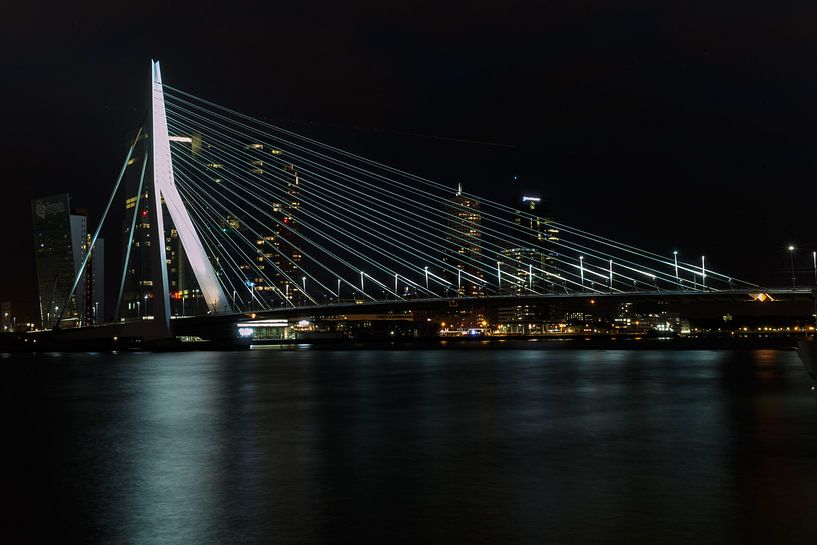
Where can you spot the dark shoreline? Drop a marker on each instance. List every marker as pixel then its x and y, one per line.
pixel 43 343
pixel 549 343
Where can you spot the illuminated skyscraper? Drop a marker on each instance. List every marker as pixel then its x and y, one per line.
pixel 275 279
pixel 463 248
pixel 287 240
pixel 138 293
pixel 541 235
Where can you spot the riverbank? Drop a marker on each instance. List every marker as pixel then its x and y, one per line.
pixel 44 342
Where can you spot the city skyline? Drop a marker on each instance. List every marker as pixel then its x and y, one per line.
pixel 660 160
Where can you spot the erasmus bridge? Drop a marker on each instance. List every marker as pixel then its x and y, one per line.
pixel 277 225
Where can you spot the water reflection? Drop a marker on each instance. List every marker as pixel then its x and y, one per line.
pixel 438 446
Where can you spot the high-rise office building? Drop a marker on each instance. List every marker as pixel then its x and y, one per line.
pixel 528 269
pixel 138 290
pixel 79 245
pixel 287 240
pixel 276 277
pixel 95 284
pixel 463 246
pixel 541 236
pixel 60 243
pixel 54 257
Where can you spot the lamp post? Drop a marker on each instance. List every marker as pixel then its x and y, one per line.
pixel 703 272
pixel 814 256
pixel 138 310
pixel 361 282
pixel 303 279
pixel 250 286
pixel 498 277
pixel 677 277
pixel 791 258
pixel 426 278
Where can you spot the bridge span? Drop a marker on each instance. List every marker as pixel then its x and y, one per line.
pixel 263 223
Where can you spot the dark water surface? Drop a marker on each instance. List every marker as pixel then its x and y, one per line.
pixel 418 446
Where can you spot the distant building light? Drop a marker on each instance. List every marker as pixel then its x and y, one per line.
pixel 266 323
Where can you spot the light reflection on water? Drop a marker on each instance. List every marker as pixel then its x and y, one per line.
pixel 430 446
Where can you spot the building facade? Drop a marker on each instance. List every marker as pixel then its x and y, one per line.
pixel 463 245
pixel 61 241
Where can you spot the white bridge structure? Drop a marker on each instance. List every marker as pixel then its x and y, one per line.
pixel 273 222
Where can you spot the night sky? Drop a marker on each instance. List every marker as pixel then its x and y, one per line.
pixel 664 124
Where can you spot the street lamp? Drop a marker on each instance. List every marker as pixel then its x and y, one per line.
pixel 426 278
pixel 139 310
pixel 791 258
pixel 814 255
pixel 677 277
pixel 703 272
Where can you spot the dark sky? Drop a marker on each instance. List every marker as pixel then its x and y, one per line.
pixel 665 124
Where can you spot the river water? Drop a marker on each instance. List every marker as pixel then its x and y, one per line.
pixel 446 446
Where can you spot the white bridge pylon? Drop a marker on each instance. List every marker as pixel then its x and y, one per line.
pixel 164 187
